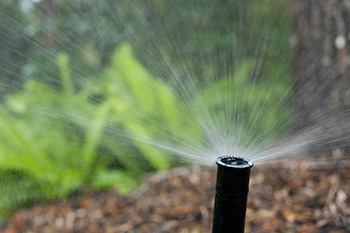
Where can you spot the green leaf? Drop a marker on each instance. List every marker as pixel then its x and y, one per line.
pixel 63 65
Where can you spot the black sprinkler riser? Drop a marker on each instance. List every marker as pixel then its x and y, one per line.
pixel 232 187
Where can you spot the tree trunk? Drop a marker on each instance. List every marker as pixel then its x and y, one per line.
pixel 320 47
pixel 320 59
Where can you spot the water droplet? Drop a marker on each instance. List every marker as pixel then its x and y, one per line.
pixel 340 42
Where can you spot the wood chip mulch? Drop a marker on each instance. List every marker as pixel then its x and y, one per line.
pixel 298 196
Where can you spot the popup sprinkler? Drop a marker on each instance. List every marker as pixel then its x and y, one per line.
pixel 232 186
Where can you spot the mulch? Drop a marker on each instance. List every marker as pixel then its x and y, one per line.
pixel 298 196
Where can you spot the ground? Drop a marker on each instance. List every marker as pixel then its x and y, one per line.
pixel 298 196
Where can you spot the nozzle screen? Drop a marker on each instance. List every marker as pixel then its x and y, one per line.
pixel 234 161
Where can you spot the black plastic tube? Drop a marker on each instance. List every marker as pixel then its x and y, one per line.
pixel 232 187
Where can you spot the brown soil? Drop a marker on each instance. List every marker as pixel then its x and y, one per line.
pixel 299 196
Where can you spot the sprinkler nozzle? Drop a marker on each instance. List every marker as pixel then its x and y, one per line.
pixel 232 187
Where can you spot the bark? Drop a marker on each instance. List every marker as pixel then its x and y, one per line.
pixel 320 60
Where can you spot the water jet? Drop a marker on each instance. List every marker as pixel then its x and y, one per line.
pixel 232 187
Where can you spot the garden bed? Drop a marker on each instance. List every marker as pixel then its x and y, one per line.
pixel 298 196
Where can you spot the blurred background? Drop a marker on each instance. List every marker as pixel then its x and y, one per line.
pixel 95 94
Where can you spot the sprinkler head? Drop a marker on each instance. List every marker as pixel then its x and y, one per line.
pixel 232 187
pixel 234 161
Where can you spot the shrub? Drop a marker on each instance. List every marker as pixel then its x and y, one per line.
pixel 57 140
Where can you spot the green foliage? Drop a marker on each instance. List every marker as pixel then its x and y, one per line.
pixel 55 140
pixel 253 111
pixel 145 106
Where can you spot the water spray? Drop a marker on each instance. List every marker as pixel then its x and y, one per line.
pixel 232 186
